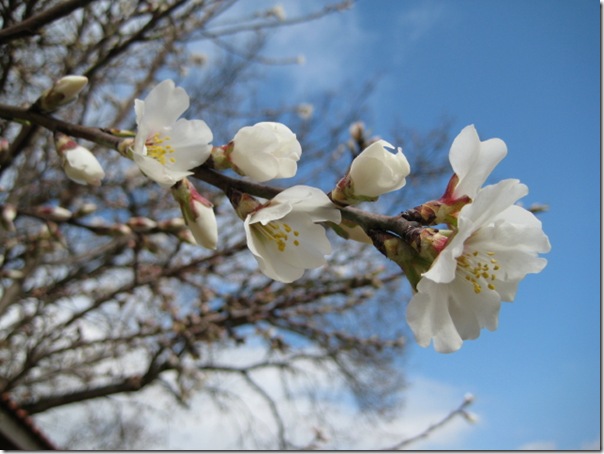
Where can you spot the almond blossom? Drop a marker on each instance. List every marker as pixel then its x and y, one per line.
pixel 473 161
pixel 167 147
pixel 197 213
pixel 284 234
pixel 264 151
pixel 79 164
pixel 495 246
pixel 375 171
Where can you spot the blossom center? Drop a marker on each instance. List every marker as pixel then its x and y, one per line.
pixel 279 232
pixel 479 269
pixel 158 149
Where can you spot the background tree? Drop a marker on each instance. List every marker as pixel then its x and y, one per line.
pixel 110 298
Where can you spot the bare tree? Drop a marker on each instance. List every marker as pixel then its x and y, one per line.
pixel 110 297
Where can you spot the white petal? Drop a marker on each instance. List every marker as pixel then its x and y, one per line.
pixel 190 140
pixel 204 228
pixel 163 105
pixel 473 311
pixel 264 254
pixel 491 201
pixel 429 318
pixel 158 172
pixel 473 160
pixel 82 166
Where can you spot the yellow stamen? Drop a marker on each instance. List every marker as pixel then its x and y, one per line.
pixel 278 232
pixel 158 150
pixel 479 269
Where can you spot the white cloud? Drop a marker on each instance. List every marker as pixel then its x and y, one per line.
pixel 245 420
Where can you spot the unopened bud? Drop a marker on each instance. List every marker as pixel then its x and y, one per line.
pixel 357 131
pixel 86 209
pixel 172 225
pixel 120 230
pixel 52 213
pixel 472 418
pixel 468 398
pixel 78 162
pixel 197 213
pixel 13 274
pixel 4 146
pixel 141 224
pixel 277 12
pixel 9 213
pixel 64 91
pixel 305 111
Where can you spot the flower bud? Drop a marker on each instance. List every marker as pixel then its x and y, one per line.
pixel 51 213
pixel 7 216
pixel 64 91
pixel 78 162
pixel 141 224
pixel 86 209
pixel 374 172
pixel 173 225
pixel 305 111
pixel 264 151
pixel 357 131
pixel 120 230
pixel 278 12
pixel 13 274
pixel 197 213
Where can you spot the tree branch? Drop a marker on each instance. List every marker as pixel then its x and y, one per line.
pixel 30 26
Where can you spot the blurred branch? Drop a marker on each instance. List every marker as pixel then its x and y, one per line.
pixel 31 25
pixel 459 411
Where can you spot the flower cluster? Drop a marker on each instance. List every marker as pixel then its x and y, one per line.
pixel 491 245
pixel 460 274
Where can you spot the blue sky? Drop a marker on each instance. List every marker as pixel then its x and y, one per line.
pixel 528 72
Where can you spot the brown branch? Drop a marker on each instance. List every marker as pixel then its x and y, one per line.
pixel 54 124
pixel 30 26
pixel 128 384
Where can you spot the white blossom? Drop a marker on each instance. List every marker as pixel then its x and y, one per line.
pixel 265 151
pixel 284 236
pixel 167 147
pixel 377 171
pixel 473 161
pixel 496 245
pixel 197 213
pixel 81 166
pixel 64 91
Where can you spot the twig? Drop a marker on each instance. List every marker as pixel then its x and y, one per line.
pixel 459 411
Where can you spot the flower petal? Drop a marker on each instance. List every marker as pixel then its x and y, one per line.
pixel 162 106
pixel 158 172
pixel 473 160
pixel 429 318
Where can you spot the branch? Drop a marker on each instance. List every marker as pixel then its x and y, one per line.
pixel 30 26
pixel 95 135
pixel 128 384
pixel 459 411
